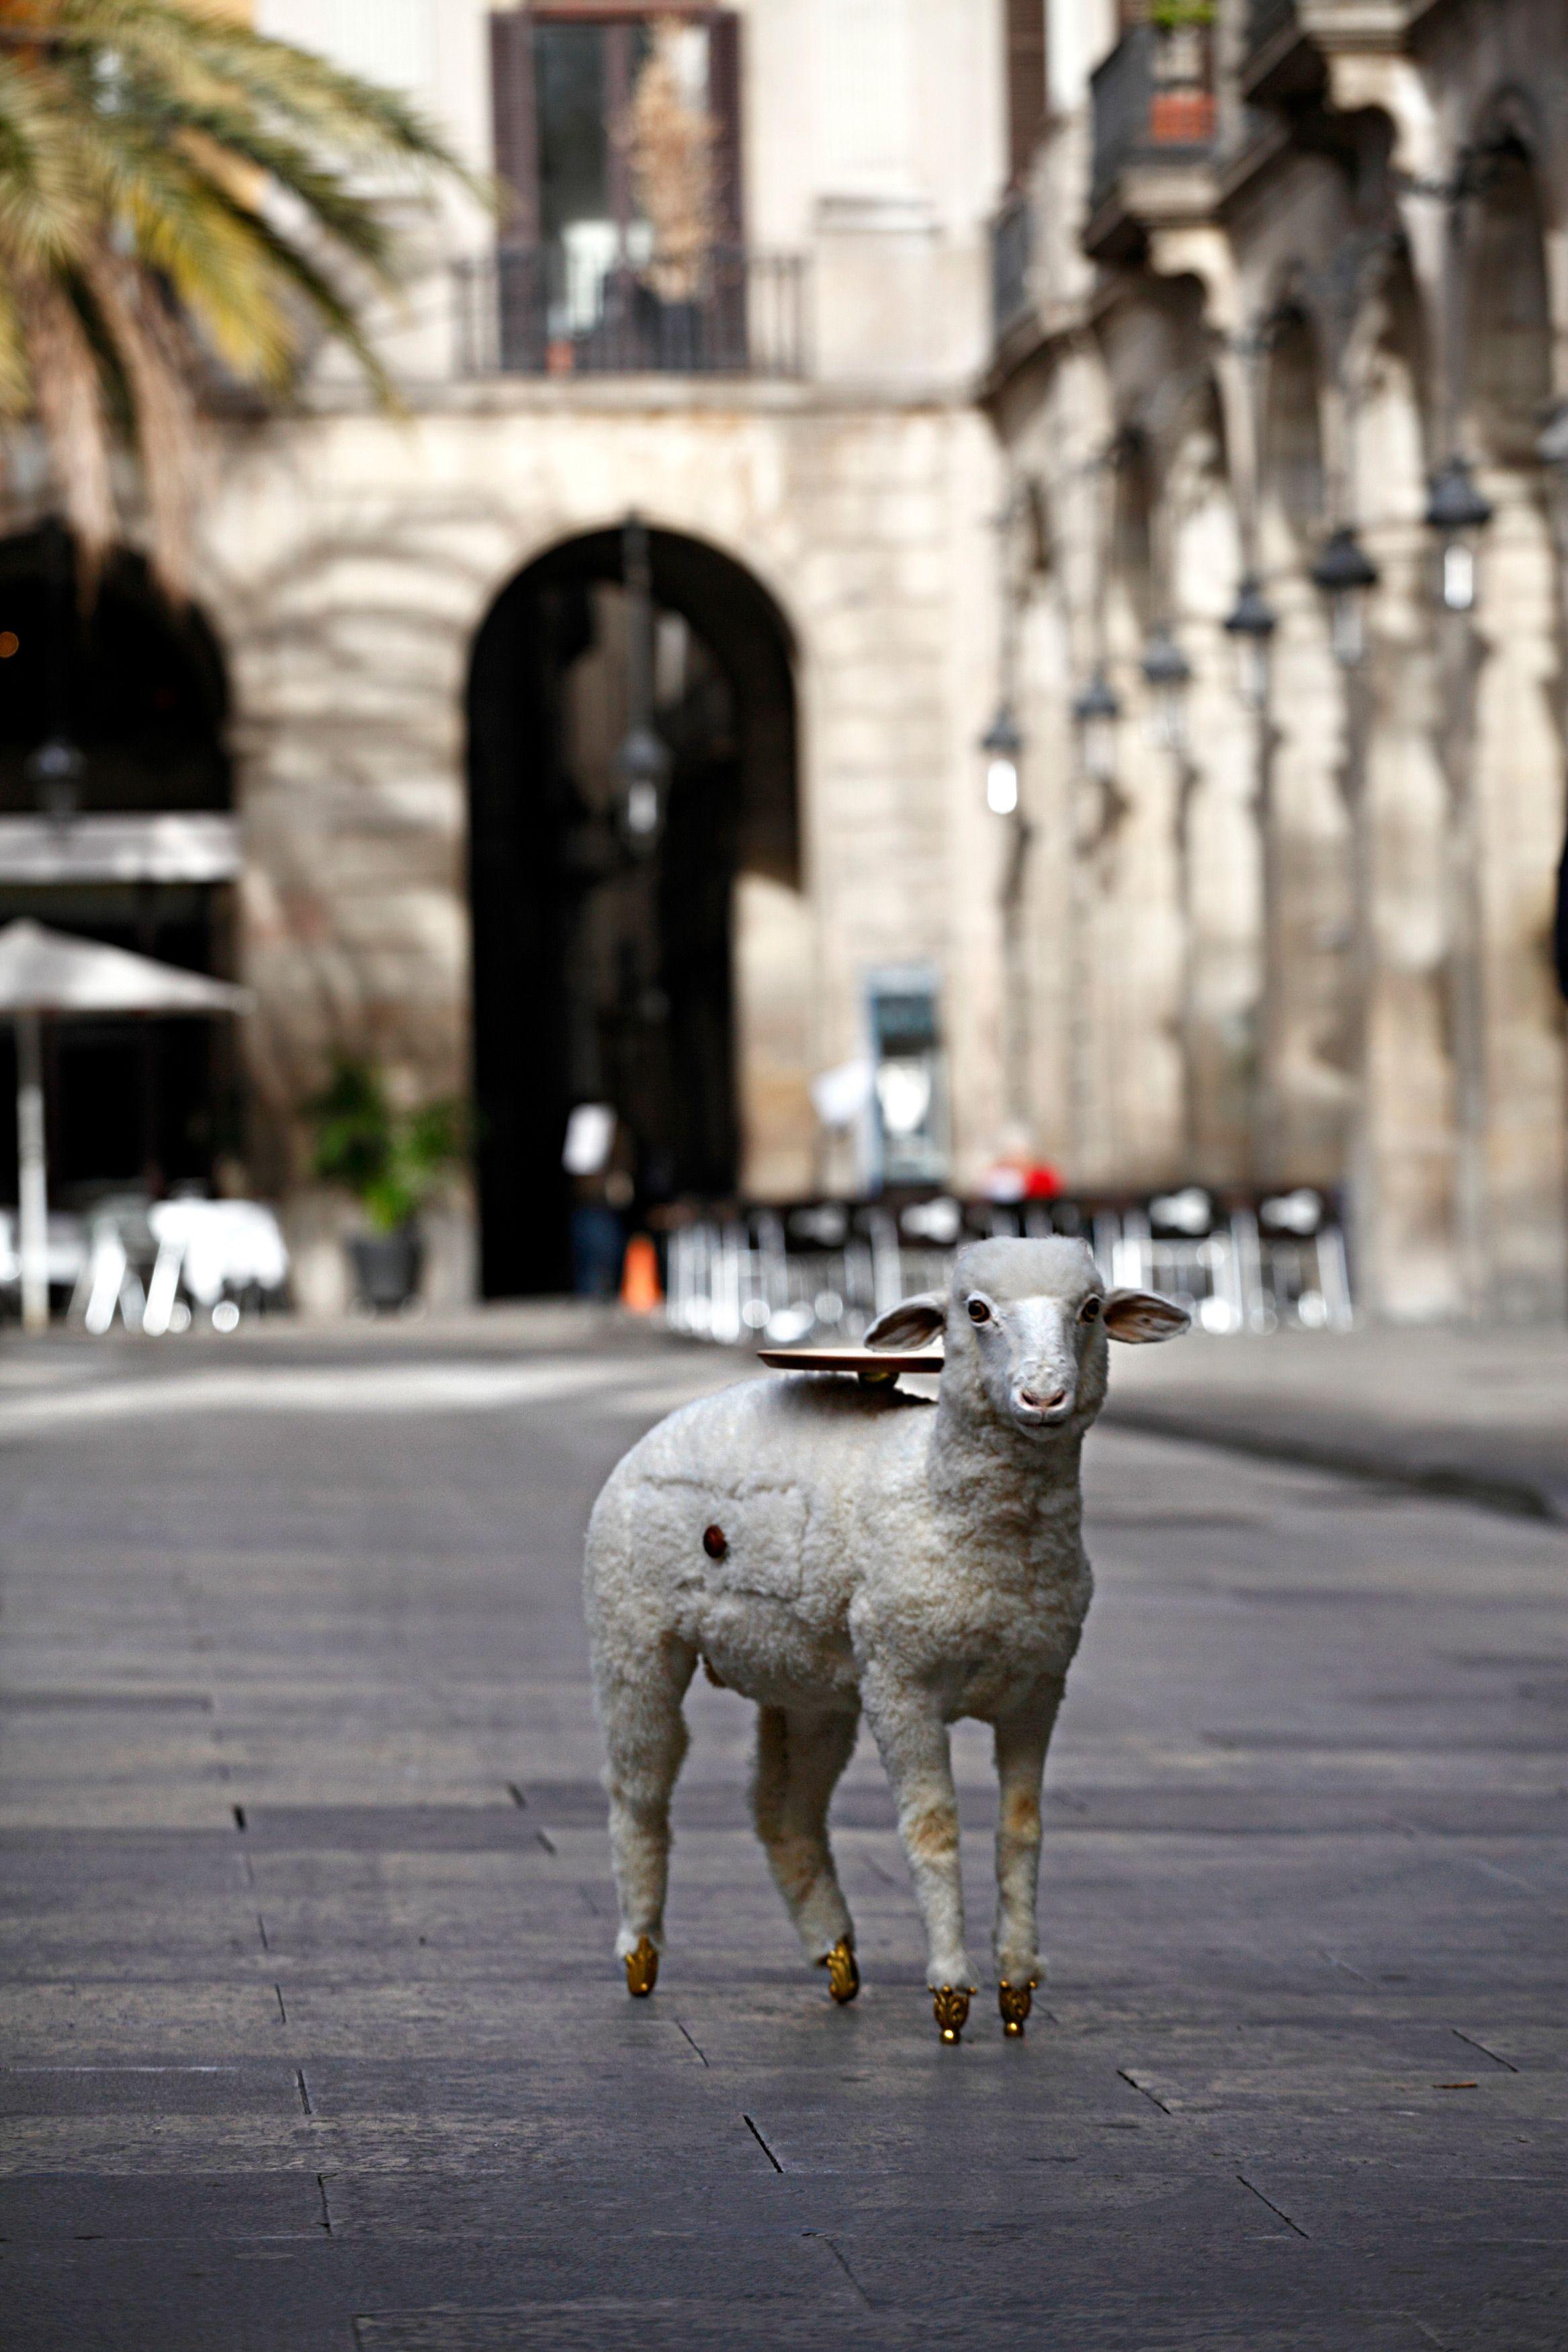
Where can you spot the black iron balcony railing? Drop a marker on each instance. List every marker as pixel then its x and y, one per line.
pixel 1012 241
pixel 522 311
pixel 1154 103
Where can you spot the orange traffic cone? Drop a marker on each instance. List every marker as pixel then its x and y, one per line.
pixel 640 1291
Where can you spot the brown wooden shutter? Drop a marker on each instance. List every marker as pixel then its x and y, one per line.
pixel 1027 85
pixel 724 100
pixel 512 114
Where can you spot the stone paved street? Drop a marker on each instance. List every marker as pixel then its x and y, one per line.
pixel 311 2034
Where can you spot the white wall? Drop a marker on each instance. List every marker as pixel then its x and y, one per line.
pixel 1078 34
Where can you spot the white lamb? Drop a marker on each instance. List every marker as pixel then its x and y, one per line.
pixel 823 1547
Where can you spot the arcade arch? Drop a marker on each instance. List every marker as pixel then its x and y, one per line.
pixel 601 974
pixel 127 700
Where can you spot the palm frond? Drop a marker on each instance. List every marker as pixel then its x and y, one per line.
pixel 16 376
pixel 158 148
pixel 162 409
pixel 68 390
pixel 185 45
pixel 43 209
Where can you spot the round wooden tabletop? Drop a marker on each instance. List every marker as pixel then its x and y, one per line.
pixel 871 1363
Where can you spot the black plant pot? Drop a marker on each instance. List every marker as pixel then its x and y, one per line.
pixel 387 1267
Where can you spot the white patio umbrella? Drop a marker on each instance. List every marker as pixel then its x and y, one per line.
pixel 51 971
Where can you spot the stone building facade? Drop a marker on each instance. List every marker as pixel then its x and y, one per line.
pixel 1022 336
pixel 1267 273
pixel 832 475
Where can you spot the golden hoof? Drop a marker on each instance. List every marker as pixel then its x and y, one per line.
pixel 1015 2002
pixel 642 1969
pixel 843 1976
pixel 950 2006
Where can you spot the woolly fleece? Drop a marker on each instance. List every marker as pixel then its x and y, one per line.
pixel 873 1551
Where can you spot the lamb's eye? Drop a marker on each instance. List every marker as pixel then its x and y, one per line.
pixel 978 1311
pixel 1089 1311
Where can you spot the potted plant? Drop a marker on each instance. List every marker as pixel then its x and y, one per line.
pixel 1181 105
pixel 391 1161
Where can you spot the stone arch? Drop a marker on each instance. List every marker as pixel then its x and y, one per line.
pixel 672 987
pixel 1293 457
pixel 1507 311
pixel 140 690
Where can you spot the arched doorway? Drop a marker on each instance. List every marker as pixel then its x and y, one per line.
pixel 115 800
pixel 602 967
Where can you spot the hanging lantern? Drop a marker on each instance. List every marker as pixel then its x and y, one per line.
pixel 1168 674
pixel 1458 513
pixel 642 764
pixel 1344 572
pixel 1003 747
pixel 1249 625
pixel 1095 714
pixel 1553 447
pixel 54 772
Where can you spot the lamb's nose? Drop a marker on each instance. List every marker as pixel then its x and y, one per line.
pixel 1043 1403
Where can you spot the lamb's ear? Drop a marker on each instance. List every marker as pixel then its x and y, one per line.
pixel 1142 1315
pixel 911 1320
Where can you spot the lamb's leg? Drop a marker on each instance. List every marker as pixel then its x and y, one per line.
pixel 909 1730
pixel 646 1735
pixel 800 1757
pixel 1021 1742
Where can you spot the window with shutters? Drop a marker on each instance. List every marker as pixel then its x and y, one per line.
pixel 617 133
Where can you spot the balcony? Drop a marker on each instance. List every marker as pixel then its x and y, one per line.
pixel 1291 44
pixel 1153 136
pixel 553 310
pixel 1012 240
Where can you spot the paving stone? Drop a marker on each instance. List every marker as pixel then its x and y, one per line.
pixel 311 2034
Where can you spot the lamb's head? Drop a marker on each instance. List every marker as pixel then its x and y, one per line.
pixel 1026 1324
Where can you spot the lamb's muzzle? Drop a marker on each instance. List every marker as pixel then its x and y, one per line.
pixel 827 1548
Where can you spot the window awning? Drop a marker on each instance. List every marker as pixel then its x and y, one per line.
pixel 166 847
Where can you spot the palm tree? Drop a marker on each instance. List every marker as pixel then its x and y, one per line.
pixel 177 190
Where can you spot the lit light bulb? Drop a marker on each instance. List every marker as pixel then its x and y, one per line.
pixel 1001 787
pixel 1459 576
pixel 642 808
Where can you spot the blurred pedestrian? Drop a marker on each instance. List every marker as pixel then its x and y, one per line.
pixel 598 1155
